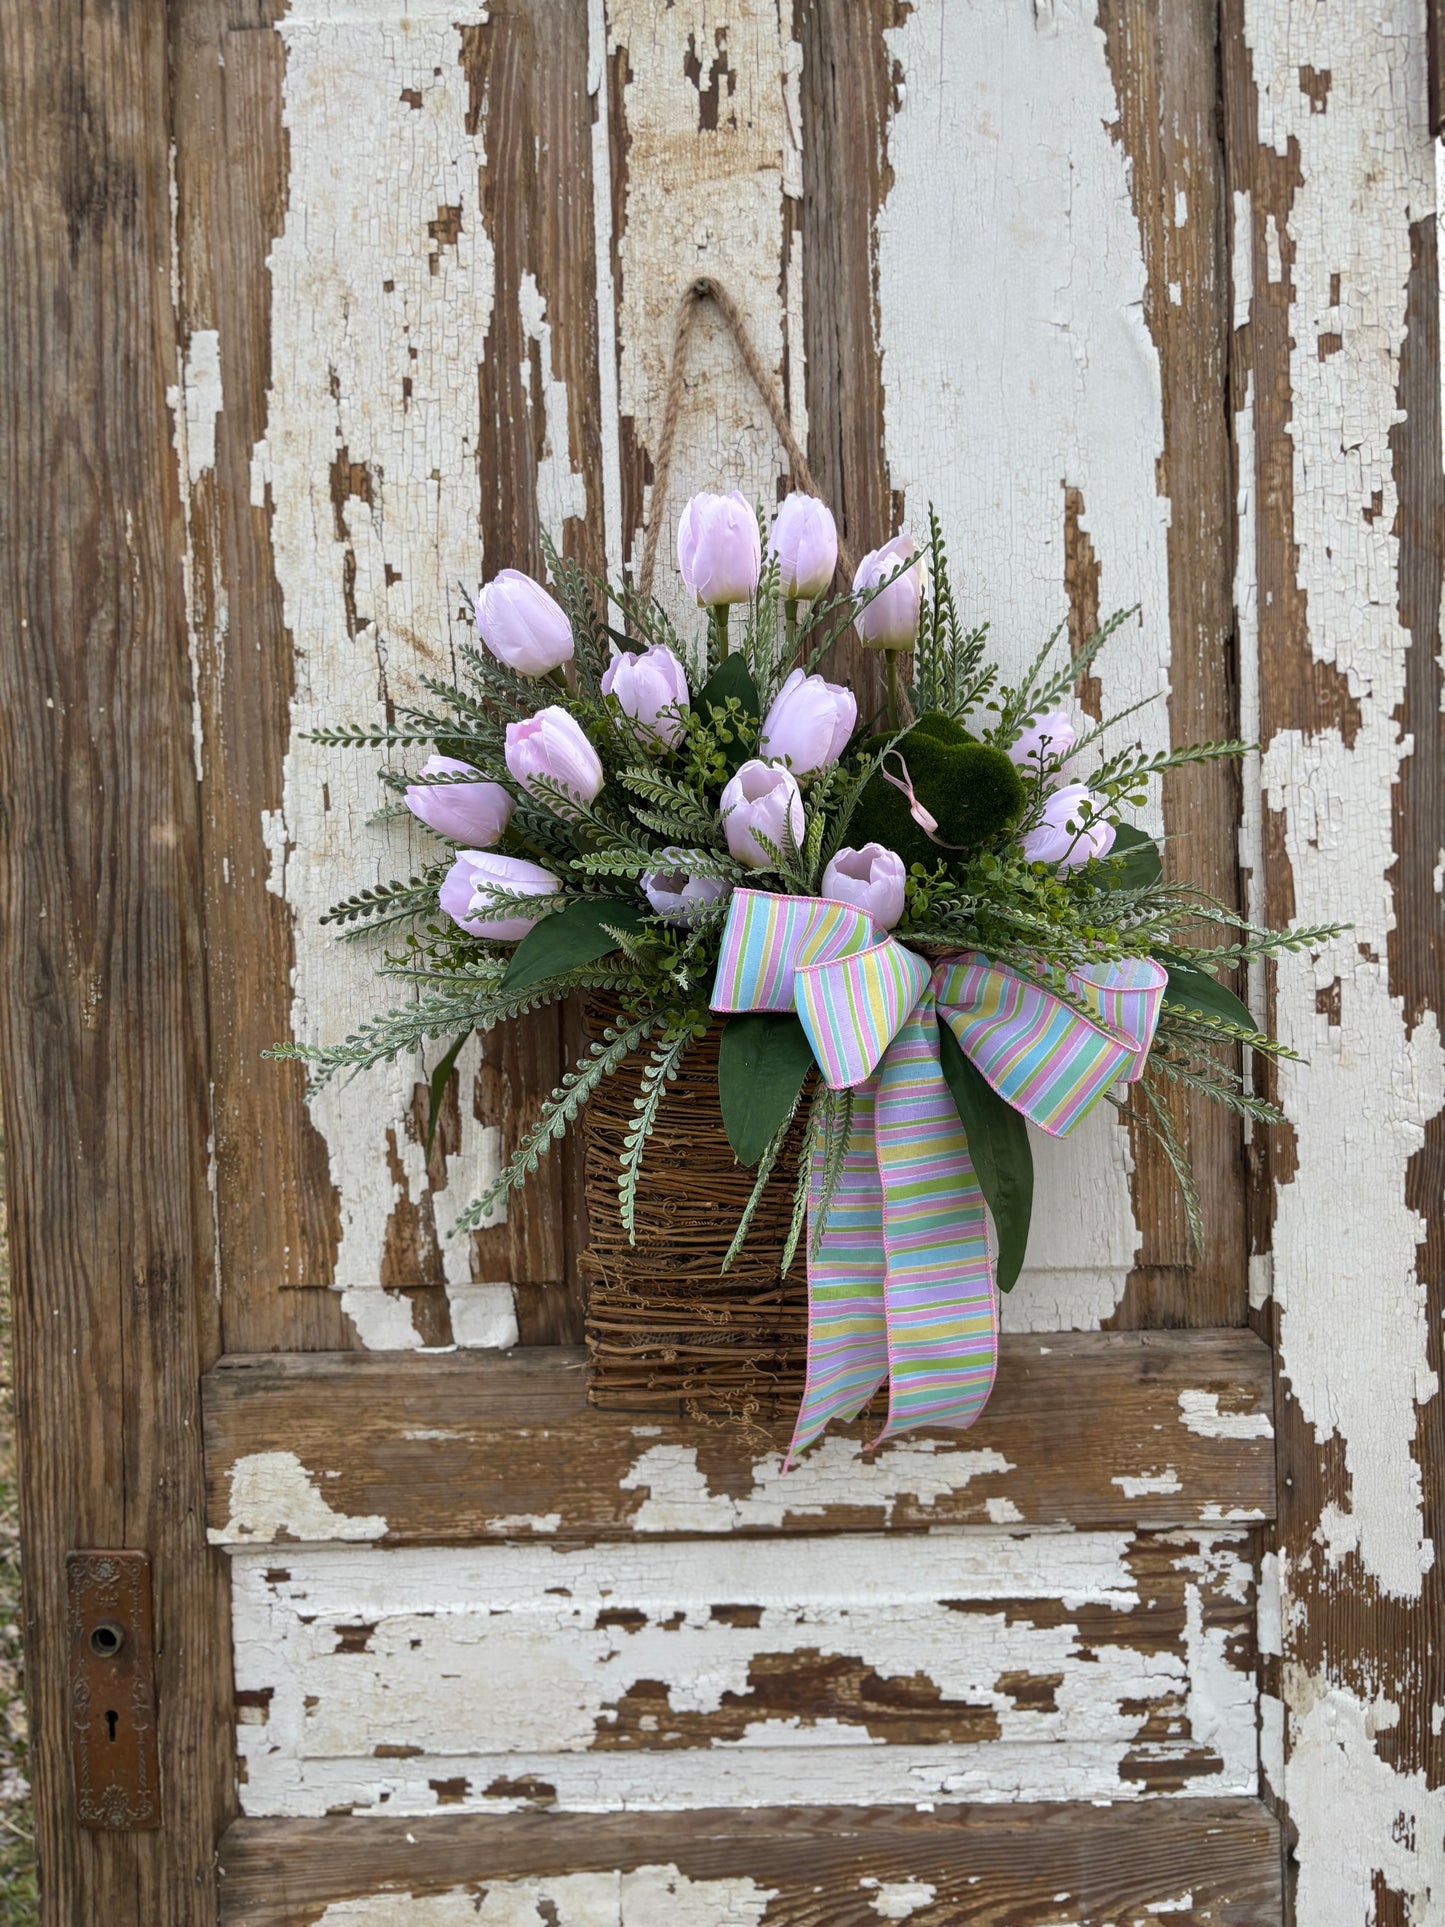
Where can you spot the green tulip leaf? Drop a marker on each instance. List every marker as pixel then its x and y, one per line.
pixel 762 1062
pixel 439 1078
pixel 1197 991
pixel 732 677
pixel 998 1144
pixel 572 936
pixel 1135 859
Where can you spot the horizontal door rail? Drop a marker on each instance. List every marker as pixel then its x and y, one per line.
pixel 1216 1861
pixel 1085 1429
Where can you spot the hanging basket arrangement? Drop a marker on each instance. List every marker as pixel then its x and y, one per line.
pixel 834 962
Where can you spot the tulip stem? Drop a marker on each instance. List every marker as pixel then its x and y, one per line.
pixel 790 625
pixel 891 658
pixel 717 617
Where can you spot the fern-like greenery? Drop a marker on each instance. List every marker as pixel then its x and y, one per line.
pixel 659 810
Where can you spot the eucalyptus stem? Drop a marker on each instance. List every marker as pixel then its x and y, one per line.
pixel 891 657
pixel 717 619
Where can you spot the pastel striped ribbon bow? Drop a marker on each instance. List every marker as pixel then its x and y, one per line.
pixel 901 1286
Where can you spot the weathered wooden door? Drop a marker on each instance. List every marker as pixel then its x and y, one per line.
pixel 358 297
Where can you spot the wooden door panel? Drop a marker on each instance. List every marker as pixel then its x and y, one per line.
pixel 708 1673
pixel 1197 1863
pixel 444 278
pixel 1085 1429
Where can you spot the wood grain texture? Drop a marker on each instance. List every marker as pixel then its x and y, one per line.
pixel 276 1206
pixel 348 473
pixel 1336 396
pixel 1082 1429
pixel 103 1027
pixel 1163 61
pixel 799 1867
pixel 984 1664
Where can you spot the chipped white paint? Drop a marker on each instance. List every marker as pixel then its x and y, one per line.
pixel 511 1525
pixel 273 1496
pixel 899 1899
pixel 703 200
pixel 201 386
pixel 1202 1415
pixel 606 293
pixel 376 330
pixel 1010 214
pixel 679 1498
pixel 1135 1488
pixel 1346 1274
pixel 645 1897
pixel 1344 1236
pixel 561 489
pixel 550 1658
pixel 1355 1815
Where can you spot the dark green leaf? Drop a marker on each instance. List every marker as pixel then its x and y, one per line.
pixel 998 1143
pixel 732 677
pixel 573 936
pixel 1137 857
pixel 439 1079
pixel 1198 991
pixel 762 1062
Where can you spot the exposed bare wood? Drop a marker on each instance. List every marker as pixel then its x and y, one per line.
pixel 1162 58
pixel 806 1867
pixel 703 1672
pixel 1336 393
pixel 103 1029
pixel 1083 1429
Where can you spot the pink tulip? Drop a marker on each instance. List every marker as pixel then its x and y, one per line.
pixel 477 877
pixel 1044 740
pixel 551 745
pixel 719 550
pixel 466 812
pixel 677 897
pixel 1070 834
pixel 521 624
pixel 761 797
pixel 652 690
pixel 890 620
pixel 873 878
pixel 809 724
pixel 805 541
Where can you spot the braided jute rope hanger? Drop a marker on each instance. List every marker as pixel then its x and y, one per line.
pixel 705 288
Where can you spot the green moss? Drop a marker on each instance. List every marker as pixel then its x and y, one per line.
pixel 971 788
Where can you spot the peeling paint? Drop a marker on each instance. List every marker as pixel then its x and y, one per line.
pixel 899 1899
pixel 973 1665
pixel 1372 1083
pixel 679 1498
pixel 644 1897
pixel 273 1496
pixel 369 465
pixel 1202 1415
pixel 989 418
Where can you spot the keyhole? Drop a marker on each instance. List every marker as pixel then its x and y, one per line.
pixel 112 1720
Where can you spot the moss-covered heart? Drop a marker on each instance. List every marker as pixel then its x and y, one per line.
pixel 972 789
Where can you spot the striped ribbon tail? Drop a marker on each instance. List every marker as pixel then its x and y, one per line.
pixel 900 1280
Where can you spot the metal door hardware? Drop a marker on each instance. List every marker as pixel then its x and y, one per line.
pixel 112 1690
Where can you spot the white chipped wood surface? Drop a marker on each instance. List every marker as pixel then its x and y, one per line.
pixel 375 326
pixel 1344 88
pixel 1042 273
pixel 1045 374
pixel 1097 1664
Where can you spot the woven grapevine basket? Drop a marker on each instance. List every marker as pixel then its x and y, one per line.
pixel 666 1328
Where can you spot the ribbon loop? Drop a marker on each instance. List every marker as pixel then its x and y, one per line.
pixel 901 1284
